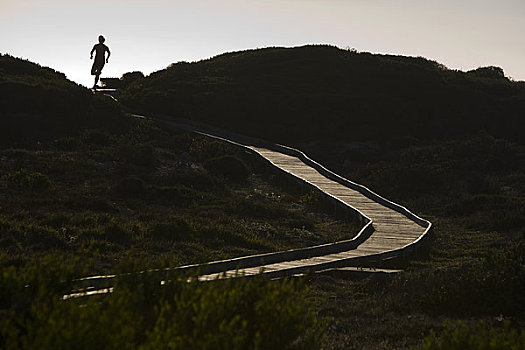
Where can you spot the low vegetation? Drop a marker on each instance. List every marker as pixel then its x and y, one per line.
pixel 477 336
pixel 153 194
pixel 98 199
pixel 472 190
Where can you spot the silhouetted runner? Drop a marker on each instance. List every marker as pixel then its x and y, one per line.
pixel 100 51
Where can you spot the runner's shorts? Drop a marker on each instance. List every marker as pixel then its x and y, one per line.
pixel 97 67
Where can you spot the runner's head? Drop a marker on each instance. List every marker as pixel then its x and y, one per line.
pixel 101 39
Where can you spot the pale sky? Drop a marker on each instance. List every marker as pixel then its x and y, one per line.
pixel 149 35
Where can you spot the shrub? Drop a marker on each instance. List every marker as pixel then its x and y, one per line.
pixel 490 288
pixel 490 72
pixel 99 204
pixel 139 154
pixel 116 233
pixel 310 197
pixel 98 137
pixel 197 180
pixel 248 208
pixel 229 167
pixel 131 77
pixel 130 186
pixel 228 314
pixel 23 179
pixel 172 231
pixel 236 314
pixel 479 336
pixel 67 143
pixel 204 148
pixel 176 195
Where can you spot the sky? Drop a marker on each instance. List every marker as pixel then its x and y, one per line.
pixel 149 35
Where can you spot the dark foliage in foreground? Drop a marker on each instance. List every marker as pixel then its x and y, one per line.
pixel 316 92
pixel 230 314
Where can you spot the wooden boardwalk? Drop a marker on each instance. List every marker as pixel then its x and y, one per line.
pixel 393 230
pixel 389 231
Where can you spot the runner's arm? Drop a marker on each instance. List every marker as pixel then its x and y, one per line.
pixel 92 50
pixel 109 54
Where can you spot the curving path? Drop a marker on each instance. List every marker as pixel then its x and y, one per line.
pixel 389 231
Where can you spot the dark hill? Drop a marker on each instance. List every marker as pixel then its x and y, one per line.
pixel 315 92
pixel 38 103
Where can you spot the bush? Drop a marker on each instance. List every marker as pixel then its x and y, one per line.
pixel 491 288
pixel 140 154
pixel 236 314
pixel 97 137
pixel 131 77
pixel 229 167
pixel 28 234
pixel 247 208
pixel 197 180
pixel 67 143
pixel 172 231
pixel 116 233
pixel 479 336
pixel 176 195
pixel 23 179
pixel 205 148
pixel 228 314
pixel 130 186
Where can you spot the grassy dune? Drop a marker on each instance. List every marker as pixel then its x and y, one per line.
pixel 87 190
